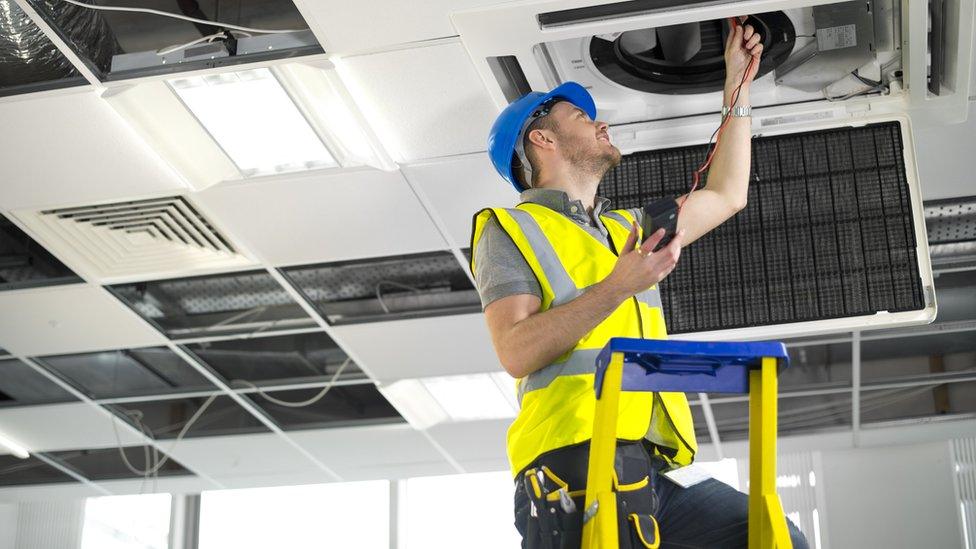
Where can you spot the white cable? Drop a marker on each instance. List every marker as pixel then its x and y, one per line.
pixel 379 293
pixel 159 464
pixel 302 403
pixel 183 17
pixel 171 49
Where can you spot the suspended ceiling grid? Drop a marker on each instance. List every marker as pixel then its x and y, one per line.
pixel 71 148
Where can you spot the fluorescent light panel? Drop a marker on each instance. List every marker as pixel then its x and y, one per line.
pixel 255 121
pixel 428 401
pixel 13 447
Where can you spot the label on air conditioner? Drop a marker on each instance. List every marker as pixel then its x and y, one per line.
pixel 835 38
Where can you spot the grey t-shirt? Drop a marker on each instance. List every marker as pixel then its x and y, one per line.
pixel 500 268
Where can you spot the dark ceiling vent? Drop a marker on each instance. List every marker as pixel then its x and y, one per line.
pixel 388 288
pixel 226 304
pixel 127 373
pixel 20 385
pixel 24 263
pixel 828 232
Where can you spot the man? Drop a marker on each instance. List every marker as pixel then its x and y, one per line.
pixel 559 276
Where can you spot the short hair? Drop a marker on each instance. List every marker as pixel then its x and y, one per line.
pixel 541 123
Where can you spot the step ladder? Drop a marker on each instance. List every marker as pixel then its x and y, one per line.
pixel 691 367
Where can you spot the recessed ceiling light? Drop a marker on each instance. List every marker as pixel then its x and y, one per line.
pixel 428 401
pixel 255 121
pixel 15 449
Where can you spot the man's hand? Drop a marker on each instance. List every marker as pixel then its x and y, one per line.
pixel 639 268
pixel 742 45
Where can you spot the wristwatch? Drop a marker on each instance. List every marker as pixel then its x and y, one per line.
pixel 737 111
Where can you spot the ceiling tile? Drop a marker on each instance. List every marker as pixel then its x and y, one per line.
pixel 437 107
pixel 339 24
pixel 424 347
pixel 322 216
pixel 72 148
pixel 477 445
pixel 247 460
pixel 457 188
pixel 942 154
pixel 69 319
pixel 377 452
pixel 63 427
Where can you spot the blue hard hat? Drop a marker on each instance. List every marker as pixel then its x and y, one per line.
pixel 507 130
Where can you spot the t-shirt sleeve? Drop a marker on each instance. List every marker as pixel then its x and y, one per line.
pixel 500 268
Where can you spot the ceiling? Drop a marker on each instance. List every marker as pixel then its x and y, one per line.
pixel 420 95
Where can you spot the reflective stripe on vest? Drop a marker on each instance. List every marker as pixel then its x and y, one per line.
pixel 557 401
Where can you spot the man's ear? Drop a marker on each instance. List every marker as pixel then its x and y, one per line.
pixel 542 138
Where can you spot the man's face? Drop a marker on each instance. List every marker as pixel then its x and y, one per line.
pixel 583 142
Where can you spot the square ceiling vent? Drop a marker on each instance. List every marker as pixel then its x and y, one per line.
pixel 135 239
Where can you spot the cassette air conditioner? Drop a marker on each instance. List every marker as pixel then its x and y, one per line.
pixel 873 69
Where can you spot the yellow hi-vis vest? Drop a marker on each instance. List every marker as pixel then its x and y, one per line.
pixel 557 402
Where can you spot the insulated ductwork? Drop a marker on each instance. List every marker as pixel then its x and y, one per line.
pixel 28 56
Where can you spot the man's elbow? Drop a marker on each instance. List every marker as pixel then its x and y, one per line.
pixel 514 365
pixel 737 204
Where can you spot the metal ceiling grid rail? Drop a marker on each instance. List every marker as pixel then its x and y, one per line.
pixel 827 232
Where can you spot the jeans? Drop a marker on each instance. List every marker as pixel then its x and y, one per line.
pixel 710 514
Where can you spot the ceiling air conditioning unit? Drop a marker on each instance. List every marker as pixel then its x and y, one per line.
pixel 833 238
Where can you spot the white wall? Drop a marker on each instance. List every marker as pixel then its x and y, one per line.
pixel 8 525
pixel 895 496
pixel 50 525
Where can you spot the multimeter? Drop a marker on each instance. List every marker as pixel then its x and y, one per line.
pixel 661 214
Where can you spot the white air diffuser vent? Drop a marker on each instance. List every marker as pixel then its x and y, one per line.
pixel 135 239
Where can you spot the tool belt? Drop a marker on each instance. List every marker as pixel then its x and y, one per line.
pixel 550 495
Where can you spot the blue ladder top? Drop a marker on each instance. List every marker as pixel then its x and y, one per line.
pixel 687 366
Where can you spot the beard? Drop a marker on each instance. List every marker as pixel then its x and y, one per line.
pixel 590 157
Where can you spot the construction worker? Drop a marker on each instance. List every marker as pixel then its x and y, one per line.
pixel 561 274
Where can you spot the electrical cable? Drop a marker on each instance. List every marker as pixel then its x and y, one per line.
pixel 301 403
pixel 159 464
pixel 209 38
pixel 709 151
pixel 379 294
pixel 182 17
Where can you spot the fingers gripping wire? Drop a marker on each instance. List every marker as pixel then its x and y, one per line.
pixel 709 150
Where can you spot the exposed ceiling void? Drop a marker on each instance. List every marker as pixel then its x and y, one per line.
pixel 18 472
pixel 127 373
pixel 342 406
pixel 20 385
pixel 165 419
pixel 107 463
pixel 389 288
pixel 31 62
pixel 116 45
pixel 25 263
pixel 234 303
pixel 287 359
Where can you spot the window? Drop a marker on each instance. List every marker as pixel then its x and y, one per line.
pixel 353 514
pixel 436 512
pixel 127 522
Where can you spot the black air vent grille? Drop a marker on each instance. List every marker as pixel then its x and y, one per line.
pixel 827 233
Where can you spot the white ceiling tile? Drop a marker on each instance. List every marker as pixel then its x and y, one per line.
pixel 328 216
pixel 339 24
pixel 477 445
pixel 74 149
pixel 61 491
pixel 69 319
pixel 439 346
pixel 943 155
pixel 424 102
pixel 71 426
pixel 240 461
pixel 376 452
pixel 459 187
